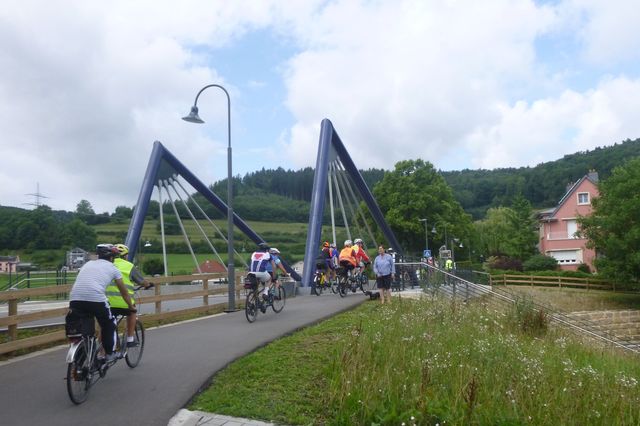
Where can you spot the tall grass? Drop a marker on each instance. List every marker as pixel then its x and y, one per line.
pixel 440 362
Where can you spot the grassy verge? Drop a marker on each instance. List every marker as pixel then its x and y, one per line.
pixel 573 299
pixel 428 362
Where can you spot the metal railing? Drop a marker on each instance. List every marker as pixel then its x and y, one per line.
pixel 452 284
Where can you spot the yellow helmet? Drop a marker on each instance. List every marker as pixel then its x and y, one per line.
pixel 122 250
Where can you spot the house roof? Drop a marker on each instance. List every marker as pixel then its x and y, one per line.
pixel 211 266
pixel 9 259
pixel 592 177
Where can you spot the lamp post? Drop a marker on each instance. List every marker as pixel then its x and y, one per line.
pixel 426 234
pixel 434 231
pixel 194 118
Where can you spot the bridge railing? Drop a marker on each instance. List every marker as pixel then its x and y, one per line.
pixel 436 281
pixel 166 289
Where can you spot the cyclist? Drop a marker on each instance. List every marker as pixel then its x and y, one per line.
pixel 88 294
pixel 259 261
pixel 323 261
pixel 275 254
pixel 130 275
pixel 334 260
pixel 348 257
pixel 361 255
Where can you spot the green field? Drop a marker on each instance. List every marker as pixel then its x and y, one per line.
pixel 289 238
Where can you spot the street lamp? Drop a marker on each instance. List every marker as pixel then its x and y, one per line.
pixel 426 234
pixel 193 117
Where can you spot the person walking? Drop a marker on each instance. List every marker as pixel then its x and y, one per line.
pixel 385 270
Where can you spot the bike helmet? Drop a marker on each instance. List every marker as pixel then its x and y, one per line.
pixel 348 243
pixel 106 251
pixel 263 246
pixel 122 250
pixel 325 244
pixel 274 250
pixel 358 241
pixel 332 245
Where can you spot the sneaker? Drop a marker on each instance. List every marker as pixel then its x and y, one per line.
pixel 265 296
pixel 133 344
pixel 263 309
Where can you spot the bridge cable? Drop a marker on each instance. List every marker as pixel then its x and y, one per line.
pixel 333 219
pixel 212 223
pixel 339 195
pixel 360 210
pixel 184 233
pixel 350 202
pixel 204 234
pixel 164 243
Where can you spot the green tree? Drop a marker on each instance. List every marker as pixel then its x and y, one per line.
pixel 494 232
pixel 613 228
pixel 84 209
pixel 521 244
pixel 415 190
pixel 79 234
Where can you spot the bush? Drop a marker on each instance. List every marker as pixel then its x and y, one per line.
pixel 528 318
pixel 153 267
pixel 540 262
pixel 504 262
pixel 583 267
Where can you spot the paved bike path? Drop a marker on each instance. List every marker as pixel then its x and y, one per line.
pixel 177 361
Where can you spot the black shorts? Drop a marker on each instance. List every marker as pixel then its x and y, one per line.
pixel 384 282
pixel 120 311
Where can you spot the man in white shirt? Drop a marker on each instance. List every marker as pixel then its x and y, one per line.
pixel 88 294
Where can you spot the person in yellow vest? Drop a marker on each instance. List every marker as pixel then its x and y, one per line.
pixel 448 265
pixel 130 275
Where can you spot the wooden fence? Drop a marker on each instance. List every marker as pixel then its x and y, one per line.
pixel 13 298
pixel 548 281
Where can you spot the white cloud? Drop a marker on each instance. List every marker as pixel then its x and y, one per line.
pixel 528 134
pixel 86 87
pixel 409 78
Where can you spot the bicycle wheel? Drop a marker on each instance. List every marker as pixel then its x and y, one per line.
pixel 334 286
pixel 78 377
pixel 134 353
pixel 279 299
pixel 317 289
pixel 342 286
pixel 364 283
pixel 251 307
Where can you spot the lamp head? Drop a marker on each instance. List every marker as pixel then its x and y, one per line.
pixel 193 116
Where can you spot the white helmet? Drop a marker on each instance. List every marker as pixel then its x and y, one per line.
pixel 358 241
pixel 348 243
pixel 274 250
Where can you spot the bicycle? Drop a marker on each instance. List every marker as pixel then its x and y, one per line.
pixel 321 281
pixel 84 364
pixel 276 298
pixel 362 279
pixel 346 282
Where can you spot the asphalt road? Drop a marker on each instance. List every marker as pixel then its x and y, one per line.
pixel 177 361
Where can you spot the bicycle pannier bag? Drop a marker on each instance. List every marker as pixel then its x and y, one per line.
pixel 250 282
pixel 78 324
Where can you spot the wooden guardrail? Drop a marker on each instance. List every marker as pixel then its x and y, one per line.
pixel 13 298
pixel 548 281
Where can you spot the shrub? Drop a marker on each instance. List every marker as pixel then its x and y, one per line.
pixel 540 262
pixel 504 262
pixel 528 318
pixel 583 267
pixel 153 267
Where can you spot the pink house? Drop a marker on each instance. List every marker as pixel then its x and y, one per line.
pixel 9 263
pixel 558 226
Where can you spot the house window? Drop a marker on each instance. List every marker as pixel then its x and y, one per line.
pixel 572 228
pixel 566 257
pixel 583 198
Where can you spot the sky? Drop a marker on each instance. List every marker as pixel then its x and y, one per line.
pixel 87 86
